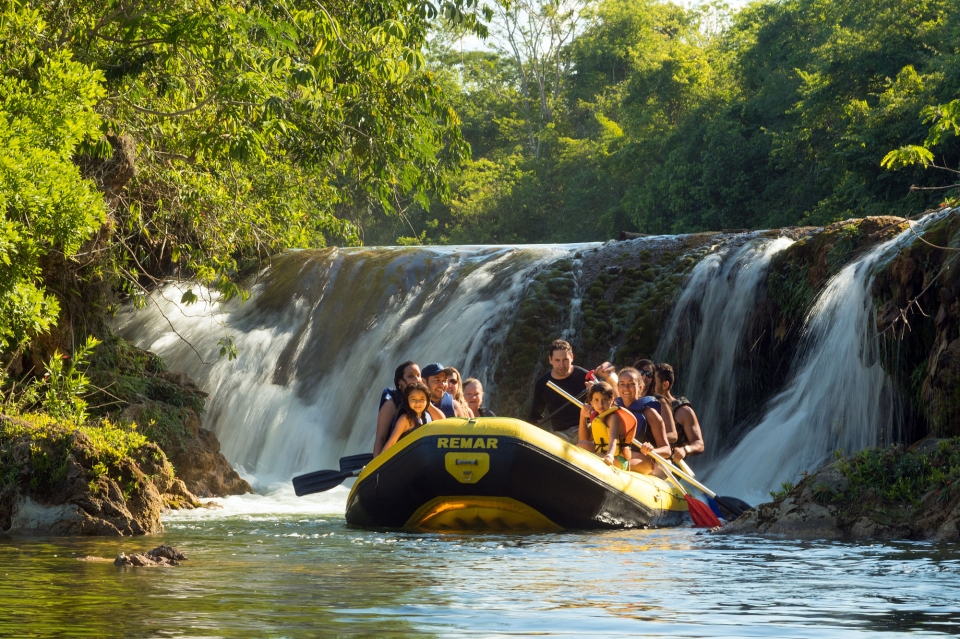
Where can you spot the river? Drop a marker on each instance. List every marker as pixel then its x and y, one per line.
pixel 275 565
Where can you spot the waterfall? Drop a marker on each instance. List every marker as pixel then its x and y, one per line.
pixel 321 336
pixel 707 327
pixel 839 397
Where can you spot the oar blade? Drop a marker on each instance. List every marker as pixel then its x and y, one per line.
pixel 318 481
pixel 731 507
pixel 355 462
pixel 701 514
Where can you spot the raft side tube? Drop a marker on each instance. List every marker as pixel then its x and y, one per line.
pixel 503 474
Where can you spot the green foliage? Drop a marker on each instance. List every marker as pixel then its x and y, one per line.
pixel 785 489
pixel 679 120
pixel 47 102
pixel 944 121
pixel 64 387
pixel 899 476
pixel 50 441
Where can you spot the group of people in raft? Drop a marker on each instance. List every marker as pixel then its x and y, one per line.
pixel 628 414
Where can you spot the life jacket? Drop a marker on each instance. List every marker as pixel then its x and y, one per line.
pixel 677 404
pixel 389 395
pixel 637 408
pixel 446 405
pixel 426 420
pixel 601 432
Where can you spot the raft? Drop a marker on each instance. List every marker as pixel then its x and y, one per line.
pixel 503 474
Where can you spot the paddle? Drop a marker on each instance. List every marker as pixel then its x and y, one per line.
pixel 734 506
pixel 320 481
pixel 556 412
pixel 701 514
pixel 323 480
pixel 355 462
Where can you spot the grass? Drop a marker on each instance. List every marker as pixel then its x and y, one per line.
pixel 35 448
pixel 900 476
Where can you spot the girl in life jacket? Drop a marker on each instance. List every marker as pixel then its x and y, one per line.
pixel 606 428
pixel 415 411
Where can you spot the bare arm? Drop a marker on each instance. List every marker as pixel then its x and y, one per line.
pixel 670 422
pixel 435 413
pixel 403 425
pixel 586 441
pixel 459 411
pixel 384 420
pixel 659 430
pixel 687 420
pixel 608 373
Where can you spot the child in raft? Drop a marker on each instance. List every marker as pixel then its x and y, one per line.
pixel 605 427
pixel 415 411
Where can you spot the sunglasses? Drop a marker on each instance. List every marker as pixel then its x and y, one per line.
pixel 648 374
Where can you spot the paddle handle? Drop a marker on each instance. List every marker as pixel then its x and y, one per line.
pixel 666 469
pixel 573 400
pixel 689 478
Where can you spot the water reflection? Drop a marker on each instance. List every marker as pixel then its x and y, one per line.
pixel 305 575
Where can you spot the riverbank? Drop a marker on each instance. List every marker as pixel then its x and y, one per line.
pixel 139 451
pixel 891 493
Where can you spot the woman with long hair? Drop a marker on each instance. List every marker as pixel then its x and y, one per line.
pixel 455 388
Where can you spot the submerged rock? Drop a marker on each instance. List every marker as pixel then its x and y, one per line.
pixel 890 493
pixel 159 556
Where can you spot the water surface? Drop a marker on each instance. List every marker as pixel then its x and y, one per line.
pixel 276 566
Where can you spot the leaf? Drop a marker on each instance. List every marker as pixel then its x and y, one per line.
pixel 907 156
pixel 189 297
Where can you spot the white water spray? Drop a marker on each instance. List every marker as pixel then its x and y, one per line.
pixel 709 322
pixel 321 337
pixel 839 397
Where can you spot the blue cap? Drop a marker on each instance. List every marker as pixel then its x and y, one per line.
pixel 431 369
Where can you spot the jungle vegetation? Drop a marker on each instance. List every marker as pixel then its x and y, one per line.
pixel 196 138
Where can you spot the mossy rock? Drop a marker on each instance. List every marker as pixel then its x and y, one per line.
pixel 561 286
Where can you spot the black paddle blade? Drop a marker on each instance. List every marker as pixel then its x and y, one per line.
pixel 318 481
pixel 731 507
pixel 355 462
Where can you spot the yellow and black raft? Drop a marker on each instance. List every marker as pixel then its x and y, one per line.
pixel 502 474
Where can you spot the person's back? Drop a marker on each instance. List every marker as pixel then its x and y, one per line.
pixel 570 378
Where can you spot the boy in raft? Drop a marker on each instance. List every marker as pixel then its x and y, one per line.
pixel 689 437
pixel 605 427
pixel 652 432
pixel 391 400
pixel 415 411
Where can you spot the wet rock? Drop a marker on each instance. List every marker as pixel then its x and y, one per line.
pixel 127 500
pixel 159 556
pixel 193 450
pixel 841 502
